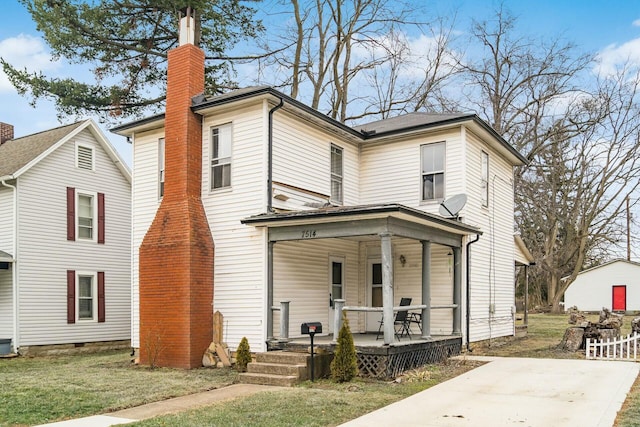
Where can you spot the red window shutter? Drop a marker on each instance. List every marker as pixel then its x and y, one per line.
pixel 101 296
pixel 71 296
pixel 71 213
pixel 100 217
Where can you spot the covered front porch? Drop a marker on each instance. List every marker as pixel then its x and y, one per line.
pixel 362 261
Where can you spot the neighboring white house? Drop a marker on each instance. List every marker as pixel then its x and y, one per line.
pixel 614 285
pixel 305 209
pixel 65 238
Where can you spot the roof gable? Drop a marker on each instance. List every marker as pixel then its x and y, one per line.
pixel 20 154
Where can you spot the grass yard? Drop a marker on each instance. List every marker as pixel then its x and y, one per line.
pixel 46 389
pixel 41 390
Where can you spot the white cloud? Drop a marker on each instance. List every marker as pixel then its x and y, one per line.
pixel 636 23
pixel 615 56
pixel 24 51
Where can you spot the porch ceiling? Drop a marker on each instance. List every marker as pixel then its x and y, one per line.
pixel 361 222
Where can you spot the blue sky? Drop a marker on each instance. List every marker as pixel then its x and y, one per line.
pixel 611 28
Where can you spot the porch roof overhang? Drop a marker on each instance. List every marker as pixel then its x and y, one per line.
pixel 5 257
pixel 358 221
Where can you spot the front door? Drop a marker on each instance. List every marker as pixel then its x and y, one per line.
pixel 374 292
pixel 619 298
pixel 336 285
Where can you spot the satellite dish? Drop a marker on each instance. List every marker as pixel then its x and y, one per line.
pixel 453 205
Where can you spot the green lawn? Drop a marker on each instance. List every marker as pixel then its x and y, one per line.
pixel 46 389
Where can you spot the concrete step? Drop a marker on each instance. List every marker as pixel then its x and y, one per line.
pixel 269 379
pixel 283 357
pixel 278 369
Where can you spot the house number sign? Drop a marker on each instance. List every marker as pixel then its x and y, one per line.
pixel 308 234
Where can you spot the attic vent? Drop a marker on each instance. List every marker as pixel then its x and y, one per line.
pixel 84 157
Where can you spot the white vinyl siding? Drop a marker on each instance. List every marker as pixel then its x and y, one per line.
pixel 301 275
pixel 46 254
pixel 402 161
pixel 240 250
pixel 302 158
pixel 492 261
pixel 6 219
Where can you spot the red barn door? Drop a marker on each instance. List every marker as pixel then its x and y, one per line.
pixel 619 298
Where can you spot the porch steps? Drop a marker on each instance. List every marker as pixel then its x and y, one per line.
pixel 281 368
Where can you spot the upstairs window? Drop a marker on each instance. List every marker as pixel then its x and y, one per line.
pixel 85 215
pixel 432 161
pixel 84 157
pixel 221 156
pixel 337 194
pixel 484 180
pixel 161 167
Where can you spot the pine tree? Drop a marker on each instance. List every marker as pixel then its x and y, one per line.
pixel 243 355
pixel 344 365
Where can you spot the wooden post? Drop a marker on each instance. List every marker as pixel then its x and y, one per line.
pixel 218 327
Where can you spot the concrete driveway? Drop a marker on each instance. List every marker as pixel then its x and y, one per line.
pixel 517 392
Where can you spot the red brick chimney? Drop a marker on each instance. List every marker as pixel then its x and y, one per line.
pixel 6 132
pixel 176 255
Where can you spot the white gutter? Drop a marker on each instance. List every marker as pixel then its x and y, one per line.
pixel 14 267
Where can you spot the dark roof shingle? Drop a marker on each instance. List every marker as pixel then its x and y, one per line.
pixel 18 152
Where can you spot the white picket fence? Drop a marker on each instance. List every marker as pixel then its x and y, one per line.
pixel 621 348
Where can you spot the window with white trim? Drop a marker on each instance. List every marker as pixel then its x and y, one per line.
pixel 220 157
pixel 86 296
pixel 84 157
pixel 161 163
pixel 432 163
pixel 86 213
pixel 337 192
pixel 484 180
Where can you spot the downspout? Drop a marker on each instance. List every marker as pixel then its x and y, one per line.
pixel 14 269
pixel 468 250
pixel 270 156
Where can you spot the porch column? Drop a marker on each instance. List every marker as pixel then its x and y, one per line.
pixel 426 289
pixel 338 305
pixel 387 287
pixel 270 290
pixel 457 292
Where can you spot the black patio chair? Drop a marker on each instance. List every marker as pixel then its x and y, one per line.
pixel 401 321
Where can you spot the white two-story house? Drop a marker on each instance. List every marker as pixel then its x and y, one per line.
pixel 65 245
pixel 308 210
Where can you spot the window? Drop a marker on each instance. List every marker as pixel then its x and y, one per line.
pixel 85 296
pixel 161 167
pixel 432 171
pixel 85 215
pixel 84 157
pixel 336 174
pixel 221 156
pixel 484 180
pixel 337 278
pixel 376 284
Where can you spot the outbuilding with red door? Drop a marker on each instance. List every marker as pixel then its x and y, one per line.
pixel 614 285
